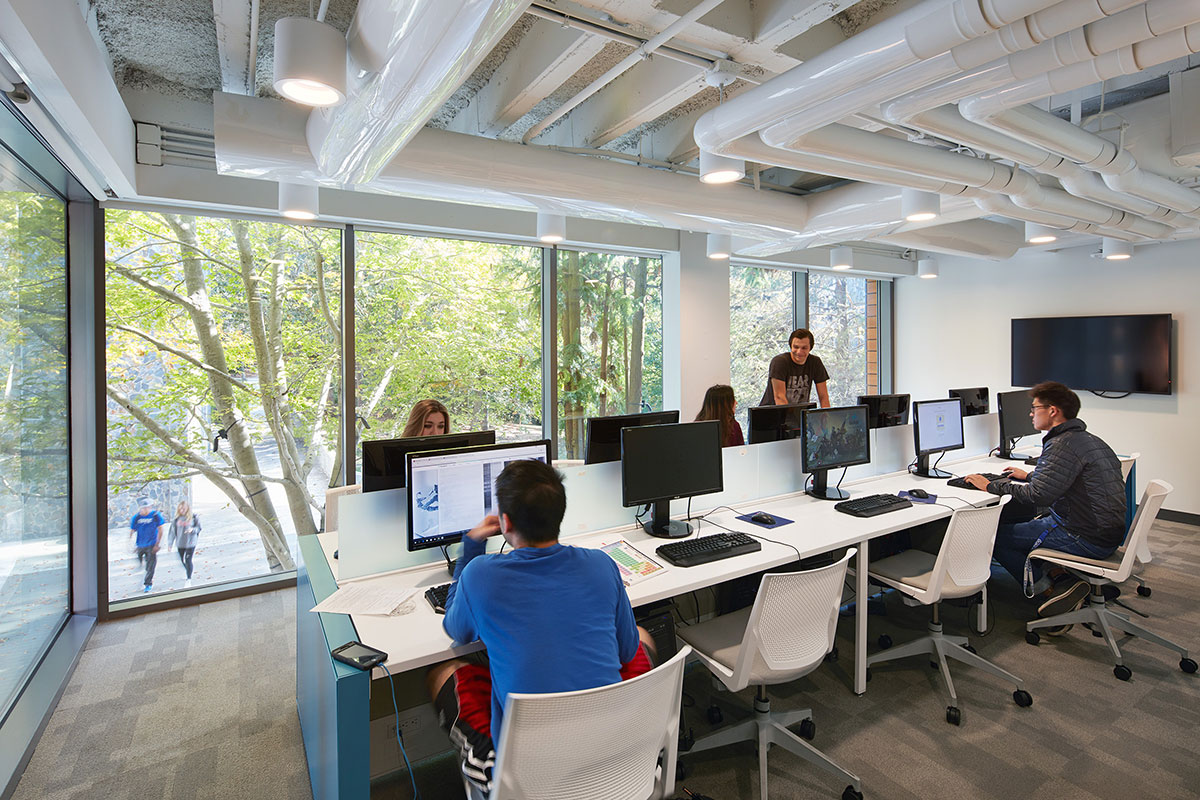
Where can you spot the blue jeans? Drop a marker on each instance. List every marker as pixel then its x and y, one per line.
pixel 1015 540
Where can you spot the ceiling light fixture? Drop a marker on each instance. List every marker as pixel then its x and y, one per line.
pixel 551 228
pixel 1039 234
pixel 299 200
pixel 720 169
pixel 1116 250
pixel 927 268
pixel 720 245
pixel 919 206
pixel 841 258
pixel 310 62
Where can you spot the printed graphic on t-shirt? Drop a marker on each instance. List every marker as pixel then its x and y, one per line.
pixel 797 388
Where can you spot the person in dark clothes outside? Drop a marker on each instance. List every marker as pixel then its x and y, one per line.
pixel 148 526
pixel 792 375
pixel 554 618
pixel 185 531
pixel 1078 477
pixel 719 404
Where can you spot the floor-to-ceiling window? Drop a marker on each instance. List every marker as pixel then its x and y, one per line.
pixel 224 362
pixel 761 315
pixel 843 314
pixel 609 331
pixel 34 464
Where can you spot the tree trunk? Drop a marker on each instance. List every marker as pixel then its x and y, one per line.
pixel 604 336
pixel 570 286
pixel 637 323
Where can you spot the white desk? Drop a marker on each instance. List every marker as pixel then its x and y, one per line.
pixel 417 640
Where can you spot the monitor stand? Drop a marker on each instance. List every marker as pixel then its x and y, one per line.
pixel 821 488
pixel 1006 450
pixel 926 471
pixel 661 524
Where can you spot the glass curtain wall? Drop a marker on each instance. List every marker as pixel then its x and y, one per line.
pixel 34 465
pixel 761 315
pixel 609 329
pixel 449 320
pixel 224 362
pixel 843 314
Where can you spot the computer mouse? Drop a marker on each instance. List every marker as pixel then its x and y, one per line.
pixel 335 552
pixel 763 518
pixel 920 494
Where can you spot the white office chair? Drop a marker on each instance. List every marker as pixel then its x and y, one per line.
pixel 783 636
pixel 332 498
pixel 1143 554
pixel 1100 572
pixel 594 744
pixel 960 569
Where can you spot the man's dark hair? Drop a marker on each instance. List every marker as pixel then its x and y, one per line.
pixel 532 495
pixel 1053 393
pixel 803 333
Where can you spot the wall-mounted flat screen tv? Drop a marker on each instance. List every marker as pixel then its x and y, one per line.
pixel 1127 353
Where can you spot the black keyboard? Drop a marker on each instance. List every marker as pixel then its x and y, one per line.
pixel 873 504
pixel 704 549
pixel 436 595
pixel 961 483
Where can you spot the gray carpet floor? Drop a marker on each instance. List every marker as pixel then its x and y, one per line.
pixel 200 703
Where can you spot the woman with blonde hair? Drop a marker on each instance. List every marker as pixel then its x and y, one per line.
pixel 185 530
pixel 719 404
pixel 427 418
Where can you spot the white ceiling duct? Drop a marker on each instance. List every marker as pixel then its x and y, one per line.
pixel 994 241
pixel 406 58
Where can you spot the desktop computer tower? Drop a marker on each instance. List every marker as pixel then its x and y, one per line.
pixel 658 621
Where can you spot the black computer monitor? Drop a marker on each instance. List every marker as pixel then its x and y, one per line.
pixel 660 463
pixel 885 410
pixel 833 438
pixel 775 423
pixel 975 400
pixel 1015 421
pixel 937 428
pixel 450 491
pixel 383 459
pixel 604 433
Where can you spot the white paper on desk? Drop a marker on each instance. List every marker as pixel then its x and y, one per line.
pixel 365 599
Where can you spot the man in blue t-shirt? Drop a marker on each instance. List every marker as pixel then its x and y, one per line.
pixel 554 618
pixel 148 526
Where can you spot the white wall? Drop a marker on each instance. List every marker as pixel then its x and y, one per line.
pixel 954 331
pixel 695 324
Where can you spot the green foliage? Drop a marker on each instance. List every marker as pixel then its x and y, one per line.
pixel 838 319
pixel 760 319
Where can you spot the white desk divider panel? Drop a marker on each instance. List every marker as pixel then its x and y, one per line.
pixel 371 534
pixel 778 467
pixel 593 498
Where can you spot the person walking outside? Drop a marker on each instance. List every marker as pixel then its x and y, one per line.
pixel 147 525
pixel 185 530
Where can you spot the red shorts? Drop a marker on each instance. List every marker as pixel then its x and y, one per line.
pixel 464 707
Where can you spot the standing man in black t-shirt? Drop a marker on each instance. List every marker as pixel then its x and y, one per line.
pixel 793 374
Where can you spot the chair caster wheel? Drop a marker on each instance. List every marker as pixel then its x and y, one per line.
pixel 850 793
pixel 1022 698
pixel 953 715
pixel 715 717
pixel 832 655
pixel 1097 633
pixel 969 648
pixel 1144 591
pixel 680 771
pixel 885 642
pixel 1033 637
pixel 808 729
pixel 1187 665
pixel 1123 672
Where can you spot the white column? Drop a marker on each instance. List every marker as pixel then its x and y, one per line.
pixel 695 324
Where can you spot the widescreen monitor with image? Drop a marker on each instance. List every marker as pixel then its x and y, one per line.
pixel 833 438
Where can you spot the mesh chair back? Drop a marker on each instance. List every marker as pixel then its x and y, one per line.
pixel 966 553
pixel 1139 532
pixel 595 744
pixel 793 622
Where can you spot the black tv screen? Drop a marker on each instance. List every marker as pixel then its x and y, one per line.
pixel 1128 353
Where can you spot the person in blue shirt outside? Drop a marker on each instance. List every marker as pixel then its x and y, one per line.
pixel 553 617
pixel 148 526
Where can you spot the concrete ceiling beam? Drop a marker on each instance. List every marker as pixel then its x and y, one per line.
pixel 232 20
pixel 644 93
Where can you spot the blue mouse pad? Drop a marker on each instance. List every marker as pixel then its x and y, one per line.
pixel 778 520
pixel 931 499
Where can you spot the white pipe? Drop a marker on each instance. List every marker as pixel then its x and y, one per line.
pixel 622 67
pixel 998 204
pixel 322 10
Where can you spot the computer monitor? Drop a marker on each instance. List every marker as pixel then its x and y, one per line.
pixel 833 438
pixel 450 491
pixel 775 423
pixel 1015 421
pixel 660 463
pixel 937 428
pixel 383 459
pixel 975 400
pixel 604 433
pixel 885 410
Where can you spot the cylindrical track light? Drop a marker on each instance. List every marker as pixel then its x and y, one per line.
pixel 551 228
pixel 310 62
pixel 720 169
pixel 1039 234
pixel 841 258
pixel 720 245
pixel 299 200
pixel 927 268
pixel 1116 250
pixel 920 206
